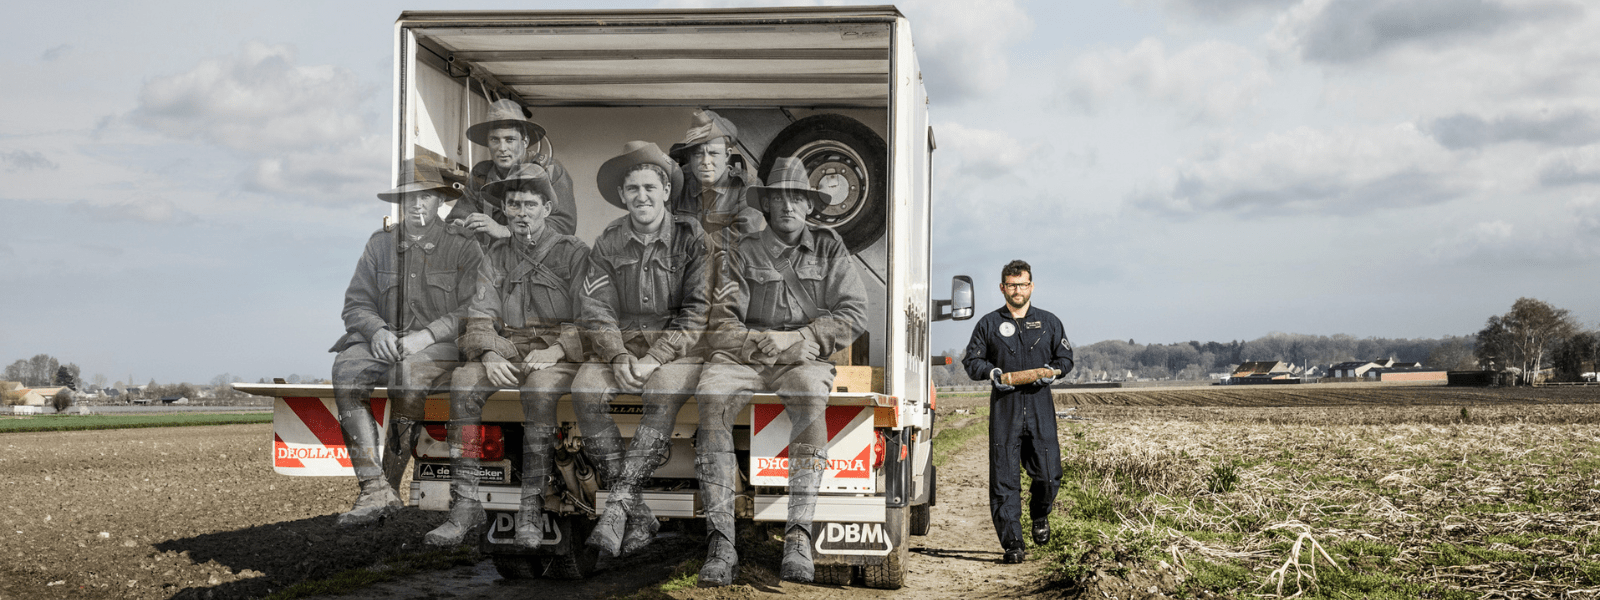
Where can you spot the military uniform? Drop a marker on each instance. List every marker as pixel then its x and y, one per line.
pixel 563 216
pixel 1022 421
pixel 754 298
pixel 437 270
pixel 645 295
pixel 524 303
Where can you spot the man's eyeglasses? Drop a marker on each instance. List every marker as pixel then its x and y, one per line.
pixel 1017 286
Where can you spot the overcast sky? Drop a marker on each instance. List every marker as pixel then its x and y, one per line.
pixel 186 186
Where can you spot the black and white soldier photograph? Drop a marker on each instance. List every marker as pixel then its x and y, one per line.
pixel 772 299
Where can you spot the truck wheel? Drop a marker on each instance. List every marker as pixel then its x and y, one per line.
pixel 578 562
pixel 891 573
pixel 518 566
pixel 845 160
pixel 921 514
pixel 834 574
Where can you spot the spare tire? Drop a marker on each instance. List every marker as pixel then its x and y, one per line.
pixel 847 161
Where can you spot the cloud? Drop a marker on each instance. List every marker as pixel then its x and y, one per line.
pixel 145 209
pixel 254 101
pixel 1308 171
pixel 55 53
pixel 302 127
pixel 961 45
pixel 1224 10
pixel 1345 31
pixel 1567 236
pixel 986 153
pixel 1571 167
pixel 1572 127
pixel 1207 81
pixel 26 160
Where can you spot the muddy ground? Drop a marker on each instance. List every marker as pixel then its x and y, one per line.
pixel 196 512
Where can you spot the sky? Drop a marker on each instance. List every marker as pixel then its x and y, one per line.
pixel 186 186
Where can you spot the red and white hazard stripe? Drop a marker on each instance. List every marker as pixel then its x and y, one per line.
pixel 850 438
pixel 306 439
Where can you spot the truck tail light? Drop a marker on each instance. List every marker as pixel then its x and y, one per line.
pixel 877 449
pixel 483 442
pixel 933 397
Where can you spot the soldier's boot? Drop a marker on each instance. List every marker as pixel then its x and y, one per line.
pixel 377 499
pixel 538 444
pixel 466 513
pixel 397 449
pixel 806 467
pixel 620 528
pixel 718 473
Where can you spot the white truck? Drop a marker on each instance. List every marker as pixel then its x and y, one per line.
pixel 837 87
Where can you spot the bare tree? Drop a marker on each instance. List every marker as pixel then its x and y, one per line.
pixel 1525 336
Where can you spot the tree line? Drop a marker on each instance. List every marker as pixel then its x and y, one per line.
pixel 1533 337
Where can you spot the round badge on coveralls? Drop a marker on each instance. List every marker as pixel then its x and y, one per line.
pixel 1007 329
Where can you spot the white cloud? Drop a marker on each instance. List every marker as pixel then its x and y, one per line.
pixel 26 160
pixel 962 44
pixel 1567 236
pixel 1207 81
pixel 1551 127
pixel 1570 167
pixel 1345 31
pixel 303 127
pixel 1223 10
pixel 1311 171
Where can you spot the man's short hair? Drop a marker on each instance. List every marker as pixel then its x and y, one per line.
pixel 1015 268
pixel 660 172
pixel 529 186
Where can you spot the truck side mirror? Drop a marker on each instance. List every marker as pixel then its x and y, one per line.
pixel 959 306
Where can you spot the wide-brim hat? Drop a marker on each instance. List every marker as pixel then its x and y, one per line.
pixel 504 114
pixel 788 173
pixel 523 176
pixel 704 126
pixel 634 153
pixel 421 175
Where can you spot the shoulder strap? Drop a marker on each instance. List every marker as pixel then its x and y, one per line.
pixel 800 294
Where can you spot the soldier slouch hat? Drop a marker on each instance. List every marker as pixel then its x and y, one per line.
pixel 609 179
pixel 788 174
pixel 704 126
pixel 528 177
pixel 505 114
pixel 420 175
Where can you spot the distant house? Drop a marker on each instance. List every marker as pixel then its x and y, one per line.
pixel 1408 374
pixel 39 396
pixel 1355 368
pixel 1272 371
pixel 174 400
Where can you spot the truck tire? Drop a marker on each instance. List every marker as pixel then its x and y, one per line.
pixel 847 160
pixel 891 573
pixel 921 514
pixel 834 574
pixel 519 566
pixel 578 562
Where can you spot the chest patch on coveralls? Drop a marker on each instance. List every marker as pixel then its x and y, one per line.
pixel 1033 324
pixel 1007 329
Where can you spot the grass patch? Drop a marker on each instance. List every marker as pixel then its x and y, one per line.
pixel 947 441
pixel 393 568
pixel 91 422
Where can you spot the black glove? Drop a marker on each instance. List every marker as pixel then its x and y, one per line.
pixel 994 378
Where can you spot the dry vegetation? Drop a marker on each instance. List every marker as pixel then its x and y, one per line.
pixel 1434 493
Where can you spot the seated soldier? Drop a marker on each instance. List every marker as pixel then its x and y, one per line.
pixel 520 329
pixel 714 191
pixel 510 138
pixel 644 303
pixel 401 314
pixel 787 298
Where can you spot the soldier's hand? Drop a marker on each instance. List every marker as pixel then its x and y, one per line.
pixel 775 342
pixel 622 369
pixel 804 351
pixel 384 347
pixel 482 223
pixel 501 372
pixel 644 368
pixel 538 360
pixel 415 341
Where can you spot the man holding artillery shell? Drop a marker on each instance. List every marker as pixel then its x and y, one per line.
pixel 1021 350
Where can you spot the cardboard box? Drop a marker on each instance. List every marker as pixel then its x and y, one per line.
pixel 858 379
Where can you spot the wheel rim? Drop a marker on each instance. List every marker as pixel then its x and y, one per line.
pixel 839 173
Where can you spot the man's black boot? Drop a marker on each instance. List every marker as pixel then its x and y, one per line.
pixel 1041 531
pixel 1015 555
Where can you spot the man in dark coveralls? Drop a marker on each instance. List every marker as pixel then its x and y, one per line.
pixel 510 136
pixel 787 298
pixel 431 267
pixel 1022 419
pixel 644 302
pixel 521 332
